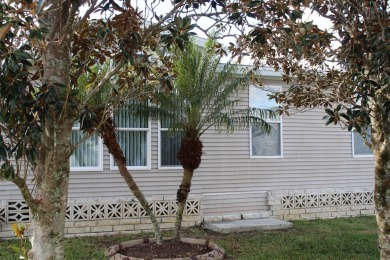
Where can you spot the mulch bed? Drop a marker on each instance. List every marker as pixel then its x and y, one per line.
pixel 168 249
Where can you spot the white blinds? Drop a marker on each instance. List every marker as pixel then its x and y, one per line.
pixel 132 135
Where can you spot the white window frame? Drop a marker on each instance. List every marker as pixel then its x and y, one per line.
pixel 353 148
pixel 148 147
pixel 162 167
pixel 100 156
pixel 279 120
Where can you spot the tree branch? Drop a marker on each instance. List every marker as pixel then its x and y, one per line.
pixel 162 20
pixel 90 10
pixel 29 199
pixel 103 81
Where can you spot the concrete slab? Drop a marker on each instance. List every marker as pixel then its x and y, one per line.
pixel 247 225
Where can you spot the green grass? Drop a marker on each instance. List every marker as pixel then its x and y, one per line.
pixel 346 238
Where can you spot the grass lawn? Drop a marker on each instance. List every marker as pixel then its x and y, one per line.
pixel 345 238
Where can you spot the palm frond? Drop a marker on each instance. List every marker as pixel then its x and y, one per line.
pixel 204 95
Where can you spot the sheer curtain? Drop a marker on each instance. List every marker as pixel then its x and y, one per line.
pixel 265 144
pixel 359 146
pixel 87 155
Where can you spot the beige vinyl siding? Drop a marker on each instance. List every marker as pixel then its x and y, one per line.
pixel 244 202
pixel 8 190
pixel 314 156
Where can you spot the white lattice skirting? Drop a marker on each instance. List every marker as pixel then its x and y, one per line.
pixel 106 215
pixel 320 203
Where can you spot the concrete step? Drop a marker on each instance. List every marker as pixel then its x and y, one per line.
pixel 244 225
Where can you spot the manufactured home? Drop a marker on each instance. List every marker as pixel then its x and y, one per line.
pixel 302 170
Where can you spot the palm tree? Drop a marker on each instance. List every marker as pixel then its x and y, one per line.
pixel 201 97
pixel 100 120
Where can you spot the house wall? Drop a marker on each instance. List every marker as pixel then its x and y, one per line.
pixel 230 182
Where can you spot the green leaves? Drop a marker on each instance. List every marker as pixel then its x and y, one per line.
pixel 179 33
pixel 203 96
pixel 355 118
pixel 234 16
pixel 296 14
pixel 7 171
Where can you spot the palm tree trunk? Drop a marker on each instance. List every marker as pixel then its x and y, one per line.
pixel 190 156
pixel 182 195
pixel 107 133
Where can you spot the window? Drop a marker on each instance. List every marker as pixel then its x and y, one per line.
pixel 169 146
pixel 262 143
pixel 133 135
pixel 88 155
pixel 359 148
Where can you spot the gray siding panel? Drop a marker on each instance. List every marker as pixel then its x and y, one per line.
pixel 234 203
pixel 314 156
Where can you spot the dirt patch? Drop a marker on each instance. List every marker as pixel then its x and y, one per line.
pixel 168 249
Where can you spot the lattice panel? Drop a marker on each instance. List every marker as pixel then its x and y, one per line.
pixel 335 199
pixel 346 198
pixel 3 216
pixel 69 210
pixel 288 202
pixel 311 200
pixel 161 208
pixel 114 211
pixel 368 197
pixel 192 208
pixel 173 208
pixel 300 201
pixel 17 211
pixel 81 212
pixel 131 210
pixel 98 211
pixel 357 198
pixel 142 212
pixel 324 200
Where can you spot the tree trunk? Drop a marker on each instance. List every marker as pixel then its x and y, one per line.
pixel 107 132
pixel 52 171
pixel 51 192
pixel 190 156
pixel 380 141
pixel 182 195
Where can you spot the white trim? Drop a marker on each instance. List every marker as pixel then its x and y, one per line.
pixel 280 122
pixel 159 166
pixel 353 149
pixel 100 158
pixel 271 156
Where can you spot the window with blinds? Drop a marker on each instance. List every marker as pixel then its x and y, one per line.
pixel 169 145
pixel 133 135
pixel 88 154
pixel 265 144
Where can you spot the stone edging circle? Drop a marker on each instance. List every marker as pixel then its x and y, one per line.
pixel 112 253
